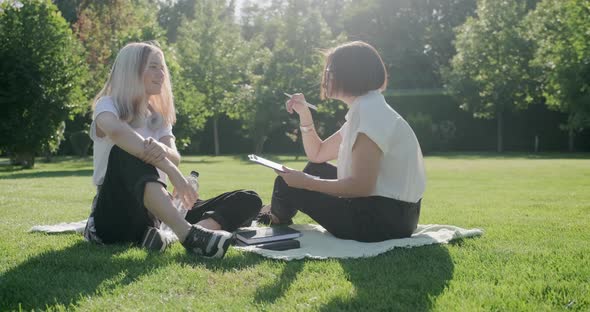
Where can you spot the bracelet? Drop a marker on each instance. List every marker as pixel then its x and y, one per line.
pixel 308 128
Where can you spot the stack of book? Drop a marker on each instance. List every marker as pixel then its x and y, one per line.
pixel 273 238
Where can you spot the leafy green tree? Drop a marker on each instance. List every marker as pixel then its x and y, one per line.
pixel 105 26
pixel 293 33
pixel 561 30
pixel 332 12
pixel 439 33
pixel 414 37
pixel 212 58
pixel 41 73
pixel 191 115
pixel 490 73
pixel 397 29
pixel 69 9
pixel 171 15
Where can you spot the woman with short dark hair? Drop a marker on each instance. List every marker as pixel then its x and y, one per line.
pixel 375 192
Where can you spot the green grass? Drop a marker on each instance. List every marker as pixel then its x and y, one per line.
pixel 535 254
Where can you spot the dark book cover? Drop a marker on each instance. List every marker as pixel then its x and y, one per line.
pixel 276 245
pixel 267 234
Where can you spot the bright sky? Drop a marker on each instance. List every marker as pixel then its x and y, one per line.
pixel 240 3
pixel 17 3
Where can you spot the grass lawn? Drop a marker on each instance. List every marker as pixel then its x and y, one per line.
pixel 534 255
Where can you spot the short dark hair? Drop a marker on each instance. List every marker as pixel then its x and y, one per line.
pixel 354 68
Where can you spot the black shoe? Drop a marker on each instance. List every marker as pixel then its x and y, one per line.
pixel 207 243
pixel 265 217
pixel 156 240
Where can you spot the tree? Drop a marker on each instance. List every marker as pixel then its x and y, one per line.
pixel 414 37
pixel 69 9
pixel 104 27
pixel 191 115
pixel 40 78
pixel 171 15
pixel 490 73
pixel 560 29
pixel 439 35
pixel 292 32
pixel 212 55
pixel 332 12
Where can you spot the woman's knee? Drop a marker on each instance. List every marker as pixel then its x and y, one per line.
pixel 126 161
pixel 250 200
pixel 129 169
pixel 280 184
pixel 323 170
pixel 120 153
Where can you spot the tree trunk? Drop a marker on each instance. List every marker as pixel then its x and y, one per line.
pixel 25 159
pixel 570 142
pixel 259 144
pixel 216 135
pixel 48 157
pixel 500 133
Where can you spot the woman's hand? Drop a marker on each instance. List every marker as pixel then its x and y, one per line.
pixel 295 178
pixel 297 103
pixel 154 151
pixel 183 190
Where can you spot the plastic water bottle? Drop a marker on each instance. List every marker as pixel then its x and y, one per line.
pixel 193 180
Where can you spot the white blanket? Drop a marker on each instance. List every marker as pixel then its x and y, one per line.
pixel 317 243
pixel 72 227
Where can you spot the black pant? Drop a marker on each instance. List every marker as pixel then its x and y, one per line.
pixel 365 219
pixel 121 216
pixel 231 210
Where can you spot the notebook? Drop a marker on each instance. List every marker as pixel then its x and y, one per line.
pixel 286 244
pixel 266 162
pixel 266 234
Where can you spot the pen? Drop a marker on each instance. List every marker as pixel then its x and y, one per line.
pixel 308 105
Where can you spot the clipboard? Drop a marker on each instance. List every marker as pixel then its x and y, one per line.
pixel 265 162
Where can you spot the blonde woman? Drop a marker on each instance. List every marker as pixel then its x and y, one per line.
pixel 375 192
pixel 135 153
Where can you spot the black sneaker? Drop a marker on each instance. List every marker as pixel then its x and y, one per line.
pixel 156 240
pixel 207 243
pixel 265 217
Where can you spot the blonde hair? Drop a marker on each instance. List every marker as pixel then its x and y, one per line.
pixel 125 84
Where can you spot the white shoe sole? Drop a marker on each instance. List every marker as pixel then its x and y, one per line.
pixel 152 239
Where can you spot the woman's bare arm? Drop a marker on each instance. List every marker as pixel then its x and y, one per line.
pixel 366 157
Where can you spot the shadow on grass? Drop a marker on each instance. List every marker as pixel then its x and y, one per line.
pixel 62 277
pixel 210 160
pixel 227 264
pixel 401 280
pixel 272 292
pixel 69 162
pixel 11 168
pixel 66 276
pixel 264 294
pixel 33 174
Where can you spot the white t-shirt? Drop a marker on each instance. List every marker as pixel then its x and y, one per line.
pixel 102 146
pixel 401 174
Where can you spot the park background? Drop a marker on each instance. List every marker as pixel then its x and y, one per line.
pixel 472 77
pixel 467 75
